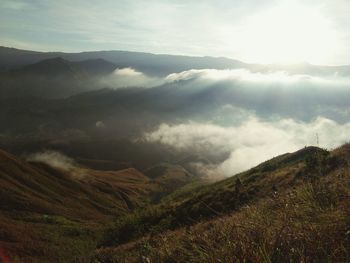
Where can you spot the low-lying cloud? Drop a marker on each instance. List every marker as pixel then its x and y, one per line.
pixel 251 116
pixel 268 78
pixel 59 161
pixel 251 142
pixel 297 96
pixel 129 77
pixel 278 93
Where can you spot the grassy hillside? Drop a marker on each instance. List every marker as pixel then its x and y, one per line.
pixel 49 212
pixel 292 208
pixel 36 187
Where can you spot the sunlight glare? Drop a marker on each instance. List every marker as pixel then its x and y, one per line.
pixel 286 34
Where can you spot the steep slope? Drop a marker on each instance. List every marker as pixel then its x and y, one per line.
pixel 209 201
pixel 169 177
pixel 298 212
pixel 36 187
pixel 42 207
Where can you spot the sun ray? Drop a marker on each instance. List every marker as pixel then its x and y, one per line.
pixel 287 33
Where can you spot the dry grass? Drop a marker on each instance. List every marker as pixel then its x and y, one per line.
pixel 309 224
pixel 305 222
pixel 43 238
pixel 51 215
pixel 294 208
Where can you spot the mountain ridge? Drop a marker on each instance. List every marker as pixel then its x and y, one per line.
pixel 303 204
pixel 50 201
pixel 162 64
pixel 185 211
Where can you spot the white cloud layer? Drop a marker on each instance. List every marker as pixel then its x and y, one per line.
pixel 53 159
pixel 263 78
pixel 129 77
pixel 251 142
pixel 270 93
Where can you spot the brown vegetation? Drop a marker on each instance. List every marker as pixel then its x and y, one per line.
pixel 302 217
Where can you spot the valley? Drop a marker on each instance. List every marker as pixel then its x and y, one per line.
pixel 119 156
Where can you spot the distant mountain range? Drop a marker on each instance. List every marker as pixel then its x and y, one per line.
pixel 95 167
pixel 54 78
pixel 158 65
pixel 59 66
pixel 59 101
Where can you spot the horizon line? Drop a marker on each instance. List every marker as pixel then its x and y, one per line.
pixel 178 55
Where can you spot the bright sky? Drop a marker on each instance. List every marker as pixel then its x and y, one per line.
pixel 262 31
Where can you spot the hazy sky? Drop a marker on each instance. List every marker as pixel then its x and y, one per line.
pixel 262 31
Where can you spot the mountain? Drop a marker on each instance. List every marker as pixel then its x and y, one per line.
pixel 53 67
pixel 292 207
pixel 70 125
pixel 96 67
pixel 61 68
pixel 154 65
pixel 50 202
pixel 43 207
pixel 39 188
pixel 43 187
pixel 169 176
pixel 141 180
pixel 296 199
pixel 13 58
pixel 54 78
pixel 161 64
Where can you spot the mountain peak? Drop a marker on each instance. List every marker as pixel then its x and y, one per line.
pixel 51 66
